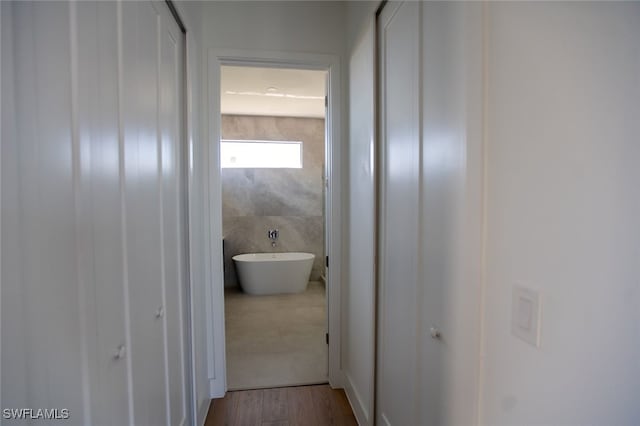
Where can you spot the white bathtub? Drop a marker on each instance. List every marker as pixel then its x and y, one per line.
pixel 273 273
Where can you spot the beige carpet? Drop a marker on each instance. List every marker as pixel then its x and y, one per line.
pixel 276 340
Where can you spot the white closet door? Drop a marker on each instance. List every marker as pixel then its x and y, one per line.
pixel 101 249
pixel 143 180
pixel 42 339
pixel 398 331
pixel 173 204
pixel 93 211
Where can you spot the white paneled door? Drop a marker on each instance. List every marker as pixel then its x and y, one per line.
pixel 93 195
pixel 430 217
pixel 399 287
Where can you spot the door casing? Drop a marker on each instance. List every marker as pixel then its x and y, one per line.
pixel 216 359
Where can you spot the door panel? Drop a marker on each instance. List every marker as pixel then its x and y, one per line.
pixel 171 71
pixel 93 200
pixel 43 285
pixel 101 220
pixel 359 300
pixel 143 221
pixel 398 32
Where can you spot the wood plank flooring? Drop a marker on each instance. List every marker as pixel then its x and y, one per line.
pixel 294 406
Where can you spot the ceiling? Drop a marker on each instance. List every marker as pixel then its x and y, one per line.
pixel 272 91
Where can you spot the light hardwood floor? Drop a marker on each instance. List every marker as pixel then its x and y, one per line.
pixel 317 405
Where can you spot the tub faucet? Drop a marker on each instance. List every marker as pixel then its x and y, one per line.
pixel 273 236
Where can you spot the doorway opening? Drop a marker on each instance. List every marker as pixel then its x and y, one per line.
pixel 333 235
pixel 272 168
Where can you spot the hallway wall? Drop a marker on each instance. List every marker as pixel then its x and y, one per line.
pixel 562 212
pixel 310 26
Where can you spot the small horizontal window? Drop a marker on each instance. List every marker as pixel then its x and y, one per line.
pixel 260 154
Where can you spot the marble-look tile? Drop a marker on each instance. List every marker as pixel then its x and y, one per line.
pixel 256 200
pixel 271 192
pixel 288 192
pixel 237 192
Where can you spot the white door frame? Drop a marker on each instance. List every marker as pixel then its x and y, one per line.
pixel 333 166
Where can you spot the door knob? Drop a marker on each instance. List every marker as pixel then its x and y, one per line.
pixel 160 312
pixel 119 353
pixel 435 333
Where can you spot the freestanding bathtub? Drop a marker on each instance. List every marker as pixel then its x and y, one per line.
pixel 273 273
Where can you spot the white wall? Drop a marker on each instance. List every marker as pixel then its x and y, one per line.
pixel 290 27
pixel 309 26
pixel 359 295
pixel 562 212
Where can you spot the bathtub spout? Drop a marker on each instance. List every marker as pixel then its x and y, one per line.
pixel 273 234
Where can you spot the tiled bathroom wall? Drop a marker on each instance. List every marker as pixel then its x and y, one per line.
pixel 291 200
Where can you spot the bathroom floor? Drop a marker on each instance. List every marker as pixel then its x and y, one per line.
pixel 276 340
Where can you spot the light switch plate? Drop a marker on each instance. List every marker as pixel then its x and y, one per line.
pixel 525 315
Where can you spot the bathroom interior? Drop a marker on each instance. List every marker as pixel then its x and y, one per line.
pixel 272 154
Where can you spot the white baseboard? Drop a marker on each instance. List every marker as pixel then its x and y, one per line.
pixel 217 388
pixel 202 412
pixel 360 410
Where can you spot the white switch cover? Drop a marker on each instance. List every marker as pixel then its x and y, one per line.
pixel 525 315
